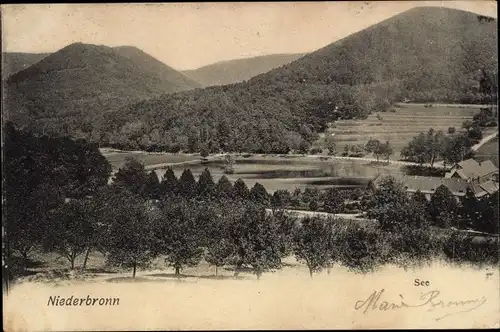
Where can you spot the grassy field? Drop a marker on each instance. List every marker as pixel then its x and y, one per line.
pixel 117 158
pixel 398 127
pixel 489 151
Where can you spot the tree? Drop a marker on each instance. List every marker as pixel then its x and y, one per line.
pixel 286 227
pixel 456 149
pixel 385 150
pixel 467 124
pixel 355 247
pixel 311 194
pixel 129 231
pixel 240 190
pixel 313 205
pixel 443 207
pixel 259 195
pixel 187 184
pixel 313 243
pixel 204 151
pixel 333 201
pixel 206 185
pixel 178 233
pixel 220 249
pixel 280 199
pixel 451 130
pixel 475 134
pixel 296 197
pixel 469 209
pixel 52 169
pixel 132 175
pixel 346 150
pixel 331 146
pixel 169 183
pixel 374 146
pixel 357 150
pixel 229 164
pixel 153 185
pixel 70 230
pixel 255 237
pixel 391 207
pixel 304 146
pixel 224 188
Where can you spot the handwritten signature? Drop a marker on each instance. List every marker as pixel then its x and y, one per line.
pixel 430 300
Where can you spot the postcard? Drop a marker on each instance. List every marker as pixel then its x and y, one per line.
pixel 270 165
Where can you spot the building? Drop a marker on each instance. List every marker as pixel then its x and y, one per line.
pixel 478 177
pixel 473 170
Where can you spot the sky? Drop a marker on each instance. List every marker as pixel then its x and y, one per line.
pixel 191 35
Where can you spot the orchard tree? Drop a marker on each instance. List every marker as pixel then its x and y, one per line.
pixel 129 231
pixel 287 226
pixel 313 243
pixel 256 240
pixel 70 230
pixel 178 234
pixel 219 247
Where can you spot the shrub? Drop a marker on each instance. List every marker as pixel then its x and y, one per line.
pixel 313 205
pixel 316 151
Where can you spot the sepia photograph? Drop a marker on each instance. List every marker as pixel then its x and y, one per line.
pixel 238 165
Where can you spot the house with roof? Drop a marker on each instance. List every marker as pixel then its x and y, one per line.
pixel 457 185
pixel 473 170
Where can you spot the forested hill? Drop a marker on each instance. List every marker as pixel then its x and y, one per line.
pixel 239 70
pixel 63 91
pixel 424 54
pixel 12 62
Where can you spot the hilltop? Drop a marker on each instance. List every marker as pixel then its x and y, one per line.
pixel 13 62
pixel 424 54
pixel 239 70
pixel 65 89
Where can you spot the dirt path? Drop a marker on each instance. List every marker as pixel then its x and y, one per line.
pixel 485 140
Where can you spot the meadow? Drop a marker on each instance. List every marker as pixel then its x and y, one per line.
pixel 117 158
pixel 399 125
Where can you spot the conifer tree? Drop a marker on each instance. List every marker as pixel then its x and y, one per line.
pixel 187 184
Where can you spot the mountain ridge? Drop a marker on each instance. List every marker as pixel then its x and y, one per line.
pixel 86 78
pixel 239 70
